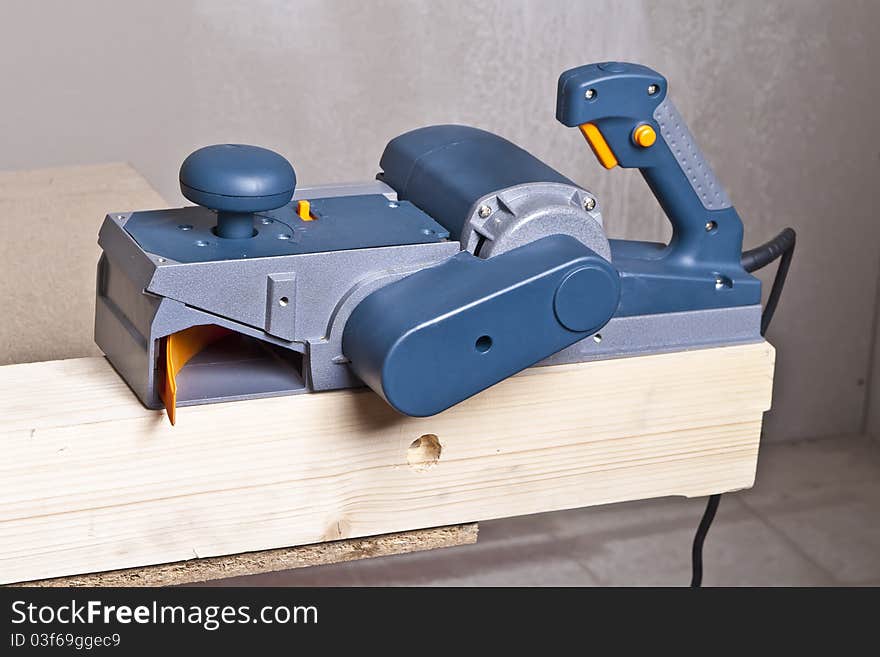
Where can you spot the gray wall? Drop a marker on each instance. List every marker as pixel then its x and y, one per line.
pixel 872 407
pixel 782 97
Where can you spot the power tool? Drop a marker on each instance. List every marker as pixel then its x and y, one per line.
pixel 465 261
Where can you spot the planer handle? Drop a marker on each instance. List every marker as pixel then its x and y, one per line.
pixel 627 117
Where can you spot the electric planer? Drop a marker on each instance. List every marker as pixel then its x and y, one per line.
pixel 465 261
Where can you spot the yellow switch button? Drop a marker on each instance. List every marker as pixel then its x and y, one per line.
pixel 304 210
pixel 644 136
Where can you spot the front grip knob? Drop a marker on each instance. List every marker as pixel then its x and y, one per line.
pixel 236 181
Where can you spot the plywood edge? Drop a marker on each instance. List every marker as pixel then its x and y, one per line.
pixel 90 183
pixel 268 561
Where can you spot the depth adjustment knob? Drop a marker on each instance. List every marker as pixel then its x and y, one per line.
pixel 237 181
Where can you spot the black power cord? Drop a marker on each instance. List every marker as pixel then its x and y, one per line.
pixel 754 259
pixel 781 246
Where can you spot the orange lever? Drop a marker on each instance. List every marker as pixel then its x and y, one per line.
pixel 599 146
pixel 304 210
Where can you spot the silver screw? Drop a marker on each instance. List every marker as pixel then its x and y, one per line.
pixel 653 89
pixel 484 211
pixel 589 203
pixel 710 226
pixel 589 94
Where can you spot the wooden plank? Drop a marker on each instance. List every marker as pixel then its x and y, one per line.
pixel 91 480
pixel 49 219
pixel 265 561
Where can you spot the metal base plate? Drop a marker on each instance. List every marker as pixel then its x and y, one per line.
pixel 646 334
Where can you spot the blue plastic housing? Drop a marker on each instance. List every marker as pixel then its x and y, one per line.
pixel 444 169
pixel 447 332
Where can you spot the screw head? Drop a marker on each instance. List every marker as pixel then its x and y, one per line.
pixel 653 89
pixel 589 203
pixel 484 211
pixel 710 226
pixel 590 94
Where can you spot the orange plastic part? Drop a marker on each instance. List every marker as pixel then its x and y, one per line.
pixel 180 347
pixel 304 210
pixel 599 145
pixel 644 136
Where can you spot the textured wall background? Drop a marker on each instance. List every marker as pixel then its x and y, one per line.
pixel 872 404
pixel 782 97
